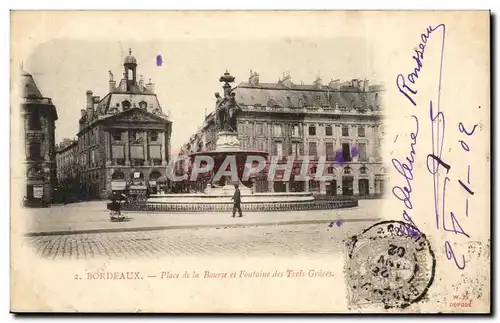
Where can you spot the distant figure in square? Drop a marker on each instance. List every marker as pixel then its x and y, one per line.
pixel 236 201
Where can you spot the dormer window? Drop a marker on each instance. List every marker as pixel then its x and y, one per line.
pixel 126 105
pixel 143 105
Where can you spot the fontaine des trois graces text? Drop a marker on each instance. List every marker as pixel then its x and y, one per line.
pixel 208 274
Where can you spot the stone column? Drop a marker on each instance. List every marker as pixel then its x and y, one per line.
pixel 371 184
pixel 162 149
pixel 127 149
pixel 107 147
pixel 270 186
pixel 377 187
pixel 339 186
pixel 145 141
pixel 287 187
pixel 306 186
pixel 355 186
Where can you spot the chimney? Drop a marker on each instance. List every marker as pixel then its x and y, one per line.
pixel 254 78
pixel 83 112
pixel 150 87
pixel 90 105
pixel 141 83
pixel 367 85
pixel 112 82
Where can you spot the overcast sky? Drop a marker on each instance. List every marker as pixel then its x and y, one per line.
pixel 64 69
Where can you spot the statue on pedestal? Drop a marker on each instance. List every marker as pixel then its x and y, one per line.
pixel 226 109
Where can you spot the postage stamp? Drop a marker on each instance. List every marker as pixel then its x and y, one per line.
pixel 387 266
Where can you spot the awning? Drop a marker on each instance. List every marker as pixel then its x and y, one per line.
pixel 118 185
pixel 137 152
pixel 117 152
pixel 155 152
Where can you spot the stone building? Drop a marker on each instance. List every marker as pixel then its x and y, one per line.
pixel 338 120
pixel 68 171
pixel 122 133
pixel 39 115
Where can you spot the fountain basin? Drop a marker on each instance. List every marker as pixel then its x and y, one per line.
pixel 257 202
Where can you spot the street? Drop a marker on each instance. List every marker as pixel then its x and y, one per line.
pixel 279 240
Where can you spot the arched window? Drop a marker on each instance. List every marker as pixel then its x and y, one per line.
pixel 154 175
pixel 363 170
pixel 347 170
pixel 118 175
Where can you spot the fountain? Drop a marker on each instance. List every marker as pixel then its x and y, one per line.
pixel 216 197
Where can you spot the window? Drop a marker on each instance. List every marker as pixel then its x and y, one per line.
pixel 346 153
pixel 126 105
pixel 312 131
pixel 117 135
pixel 135 137
pixel 130 75
pixel 34 121
pixel 156 162
pixel 331 170
pixel 260 129
pixel 35 150
pixel 137 162
pixel 345 131
pixel 329 131
pixel 274 149
pixel 277 130
pixel 362 170
pixel 313 149
pixel 347 170
pixel 143 105
pixel 313 170
pixel 295 150
pixel 154 135
pixel 362 152
pixel 296 130
pixel 361 131
pixel 279 150
pixel 329 149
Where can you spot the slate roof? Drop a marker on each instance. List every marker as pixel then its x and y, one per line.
pixel 30 90
pixel 271 94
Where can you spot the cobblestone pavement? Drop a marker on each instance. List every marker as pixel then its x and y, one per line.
pixel 283 240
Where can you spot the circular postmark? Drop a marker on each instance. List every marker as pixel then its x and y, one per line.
pixel 390 262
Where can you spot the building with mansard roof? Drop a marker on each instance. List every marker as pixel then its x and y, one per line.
pixel 39 115
pixel 125 132
pixel 338 120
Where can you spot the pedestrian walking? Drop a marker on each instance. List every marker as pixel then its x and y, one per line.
pixel 236 201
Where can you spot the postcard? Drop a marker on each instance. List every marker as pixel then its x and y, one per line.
pixel 250 162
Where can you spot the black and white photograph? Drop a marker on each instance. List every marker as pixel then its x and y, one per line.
pixel 242 151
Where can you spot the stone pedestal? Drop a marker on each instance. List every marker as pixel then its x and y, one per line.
pixel 227 141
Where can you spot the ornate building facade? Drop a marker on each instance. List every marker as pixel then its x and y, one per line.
pixel 339 120
pixel 39 115
pixel 126 132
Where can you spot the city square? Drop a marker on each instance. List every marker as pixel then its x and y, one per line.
pixel 83 231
